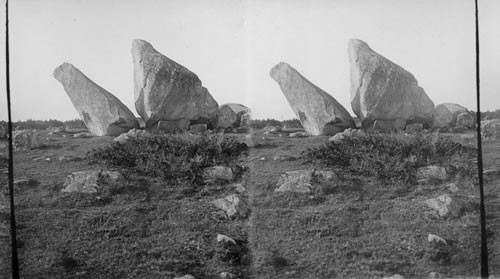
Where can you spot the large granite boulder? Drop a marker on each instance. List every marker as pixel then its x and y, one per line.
pixel 382 90
pixel 318 112
pixel 166 90
pixel 445 115
pixel 102 112
pixel 230 115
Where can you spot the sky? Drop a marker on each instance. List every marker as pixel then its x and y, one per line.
pixel 232 45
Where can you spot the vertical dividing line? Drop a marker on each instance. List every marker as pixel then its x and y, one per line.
pixel 13 234
pixel 484 243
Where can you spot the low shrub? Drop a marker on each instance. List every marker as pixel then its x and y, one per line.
pixel 393 157
pixel 171 157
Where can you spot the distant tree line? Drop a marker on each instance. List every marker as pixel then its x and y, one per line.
pixel 31 124
pixel 262 123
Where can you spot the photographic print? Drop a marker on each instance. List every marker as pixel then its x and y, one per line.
pixel 250 139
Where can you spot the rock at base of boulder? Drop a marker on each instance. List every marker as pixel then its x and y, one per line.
pixel 414 128
pixel 218 173
pixel 465 119
pixel 198 129
pixel 173 125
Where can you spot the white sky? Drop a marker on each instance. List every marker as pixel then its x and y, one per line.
pixel 232 45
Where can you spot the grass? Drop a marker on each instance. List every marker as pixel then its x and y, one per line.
pixel 171 157
pixel 160 227
pixel 393 157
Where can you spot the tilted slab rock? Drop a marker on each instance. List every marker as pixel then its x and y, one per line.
pixel 446 114
pixel 382 90
pixel 102 112
pixel 319 113
pixel 166 90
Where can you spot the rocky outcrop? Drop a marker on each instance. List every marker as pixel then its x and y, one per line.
pixel 445 115
pixel 90 181
pixel 301 181
pixel 166 90
pixel 382 90
pixel 231 115
pixel 102 112
pixel 318 112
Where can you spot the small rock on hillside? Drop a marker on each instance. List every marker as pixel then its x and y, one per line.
pixel 301 181
pixel 233 206
pixel 89 181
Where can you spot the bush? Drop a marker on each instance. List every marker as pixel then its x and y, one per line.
pixel 393 157
pixel 171 157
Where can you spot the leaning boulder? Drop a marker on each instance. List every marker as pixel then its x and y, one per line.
pixel 318 112
pixel 102 112
pixel 382 90
pixel 166 90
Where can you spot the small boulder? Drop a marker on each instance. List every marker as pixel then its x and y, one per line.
pixel 187 276
pixel 218 173
pixel 490 129
pixel 431 173
pixel 24 140
pixel 301 181
pixel 171 126
pixel 465 120
pixel 82 135
pixel 337 138
pixel 198 129
pixel 225 239
pixel 298 135
pixel 233 206
pixel 133 133
pixel 88 181
pixel 414 128
pixel 434 275
pixel 446 205
pixel 445 115
pixel 432 238
pixel 395 276
pixel 69 158
pixel 283 158
pixel 230 115
pixel 227 275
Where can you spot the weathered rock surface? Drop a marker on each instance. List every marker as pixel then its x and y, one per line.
pixel 198 129
pixel 465 119
pixel 319 113
pixel 88 181
pixel 102 112
pixel 490 129
pixel 233 206
pixel 432 238
pixel 414 128
pixel 431 173
pixel 166 90
pixel 445 205
pixel 218 173
pixel 230 115
pixel 382 90
pixel 25 140
pixel 134 133
pixel 445 115
pixel 301 181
